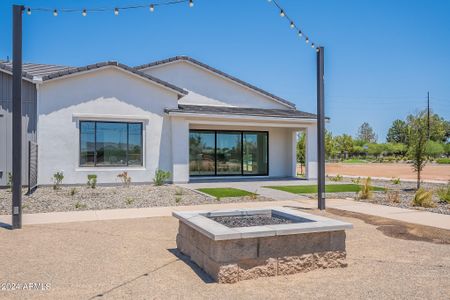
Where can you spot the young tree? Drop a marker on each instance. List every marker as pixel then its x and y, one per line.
pixel 417 143
pixel 398 133
pixel 301 150
pixel 366 133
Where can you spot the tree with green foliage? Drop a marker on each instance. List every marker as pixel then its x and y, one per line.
pixel 301 150
pixel 439 127
pixel 330 145
pixel 344 144
pixel 366 133
pixel 434 149
pixel 417 143
pixel 375 149
pixel 398 133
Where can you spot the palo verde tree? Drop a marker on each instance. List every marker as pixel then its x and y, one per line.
pixel 418 138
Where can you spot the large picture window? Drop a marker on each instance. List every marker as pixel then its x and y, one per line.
pixel 222 153
pixel 109 144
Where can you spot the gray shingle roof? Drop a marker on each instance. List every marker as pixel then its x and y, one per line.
pixel 187 58
pixel 247 111
pixel 30 70
pixel 48 72
pixel 115 64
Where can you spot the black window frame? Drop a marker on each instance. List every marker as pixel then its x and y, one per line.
pixel 242 132
pixel 95 144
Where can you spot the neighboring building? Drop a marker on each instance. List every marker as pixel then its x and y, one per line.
pixel 178 115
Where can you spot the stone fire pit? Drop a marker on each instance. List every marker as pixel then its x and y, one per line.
pixel 234 245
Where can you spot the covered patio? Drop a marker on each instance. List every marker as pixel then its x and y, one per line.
pixel 218 142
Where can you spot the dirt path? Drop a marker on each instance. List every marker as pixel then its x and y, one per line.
pixel 404 171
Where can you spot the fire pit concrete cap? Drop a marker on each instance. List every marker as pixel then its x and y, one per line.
pixel 200 220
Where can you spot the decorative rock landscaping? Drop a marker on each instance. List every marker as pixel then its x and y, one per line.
pixel 70 198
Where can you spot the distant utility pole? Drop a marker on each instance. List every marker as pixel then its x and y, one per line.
pixel 428 115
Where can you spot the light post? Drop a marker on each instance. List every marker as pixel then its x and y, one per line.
pixel 320 129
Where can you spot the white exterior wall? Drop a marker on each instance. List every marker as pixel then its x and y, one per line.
pixel 311 160
pixel 213 89
pixel 105 94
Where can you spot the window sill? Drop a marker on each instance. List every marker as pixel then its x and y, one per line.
pixel 112 169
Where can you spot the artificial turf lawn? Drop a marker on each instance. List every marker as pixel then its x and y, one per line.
pixel 225 192
pixel 329 188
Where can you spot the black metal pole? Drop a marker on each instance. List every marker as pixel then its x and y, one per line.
pixel 320 129
pixel 17 119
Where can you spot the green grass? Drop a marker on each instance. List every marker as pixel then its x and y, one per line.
pixel 355 161
pixel 329 188
pixel 443 160
pixel 225 192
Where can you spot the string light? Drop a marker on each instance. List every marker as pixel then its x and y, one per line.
pixel 84 13
pixel 152 8
pixel 28 11
pixel 116 11
pixel 292 24
pixel 191 3
pixel 55 13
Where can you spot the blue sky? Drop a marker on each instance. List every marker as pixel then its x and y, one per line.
pixel 381 56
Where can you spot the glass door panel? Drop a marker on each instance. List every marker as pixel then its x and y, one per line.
pixel 229 153
pixel 202 153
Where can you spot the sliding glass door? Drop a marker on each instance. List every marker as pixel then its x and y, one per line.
pixel 255 153
pixel 227 153
pixel 202 153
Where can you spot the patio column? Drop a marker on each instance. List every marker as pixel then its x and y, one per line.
pixel 180 150
pixel 311 152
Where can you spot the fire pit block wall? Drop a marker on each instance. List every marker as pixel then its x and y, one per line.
pixel 229 261
pixel 234 245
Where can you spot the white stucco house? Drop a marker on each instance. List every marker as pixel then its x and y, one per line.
pixel 178 115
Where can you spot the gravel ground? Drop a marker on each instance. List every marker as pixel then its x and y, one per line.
pixel 136 259
pixel 45 199
pixel 247 221
pixel 406 194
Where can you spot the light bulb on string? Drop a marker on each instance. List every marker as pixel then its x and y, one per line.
pixel 116 11
pixel 282 14
pixel 84 13
pixel 152 8
pixel 312 45
pixel 307 40
pixel 55 13
pixel 292 25
pixel 300 33
pixel 191 3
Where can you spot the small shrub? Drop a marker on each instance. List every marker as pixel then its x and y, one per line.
pixel 178 192
pixel 177 199
pixel 129 200
pixel 337 178
pixel 366 189
pixel 57 180
pixel 356 180
pixel 126 180
pixel 253 196
pixel 73 191
pixel 160 177
pixel 395 180
pixel 444 193
pixel 393 196
pixel 92 181
pixel 423 198
pixel 80 205
pixel 9 181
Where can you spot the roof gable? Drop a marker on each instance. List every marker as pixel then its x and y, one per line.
pixel 218 73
